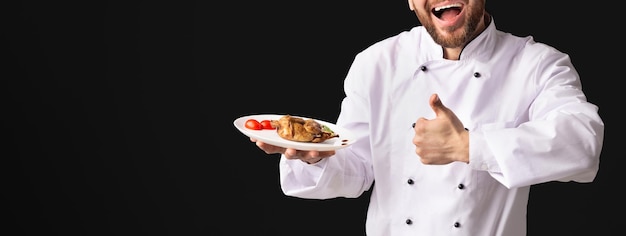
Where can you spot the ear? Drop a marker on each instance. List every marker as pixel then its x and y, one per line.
pixel 411 5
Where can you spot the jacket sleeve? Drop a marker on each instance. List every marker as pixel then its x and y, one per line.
pixel 349 172
pixel 561 141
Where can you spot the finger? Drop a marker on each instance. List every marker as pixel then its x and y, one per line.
pixel 269 149
pixel 419 123
pixel 313 154
pixel 297 154
pixel 436 104
pixel 291 153
pixel 326 153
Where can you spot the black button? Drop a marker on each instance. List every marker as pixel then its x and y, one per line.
pixel 461 186
pixel 466 129
pixel 423 68
pixel 476 74
pixel 457 224
pixel 409 221
pixel 409 181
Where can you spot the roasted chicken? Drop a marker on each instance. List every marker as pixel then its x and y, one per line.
pixel 302 130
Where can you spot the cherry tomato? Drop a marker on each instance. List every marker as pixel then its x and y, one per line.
pixel 266 124
pixel 254 124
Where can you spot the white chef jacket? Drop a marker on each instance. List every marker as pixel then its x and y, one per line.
pixel 528 119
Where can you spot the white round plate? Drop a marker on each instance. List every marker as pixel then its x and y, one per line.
pixel 345 138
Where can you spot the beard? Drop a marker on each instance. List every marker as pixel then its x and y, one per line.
pixel 454 39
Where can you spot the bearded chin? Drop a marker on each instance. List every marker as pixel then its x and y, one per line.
pixel 455 39
pixel 451 41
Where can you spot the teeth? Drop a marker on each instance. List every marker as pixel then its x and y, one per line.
pixel 447 6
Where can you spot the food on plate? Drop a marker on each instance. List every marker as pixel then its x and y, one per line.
pixel 253 124
pixel 258 125
pixel 302 130
pixel 267 124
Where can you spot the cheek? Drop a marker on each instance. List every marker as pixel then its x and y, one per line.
pixel 423 16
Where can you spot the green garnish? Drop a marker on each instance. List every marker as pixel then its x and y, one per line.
pixel 327 129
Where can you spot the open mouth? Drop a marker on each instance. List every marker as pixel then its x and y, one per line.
pixel 447 11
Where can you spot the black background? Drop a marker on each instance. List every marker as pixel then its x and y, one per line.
pixel 118 115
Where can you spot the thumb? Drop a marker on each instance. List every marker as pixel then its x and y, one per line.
pixel 436 104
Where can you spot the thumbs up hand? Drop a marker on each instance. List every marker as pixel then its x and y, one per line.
pixel 441 140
